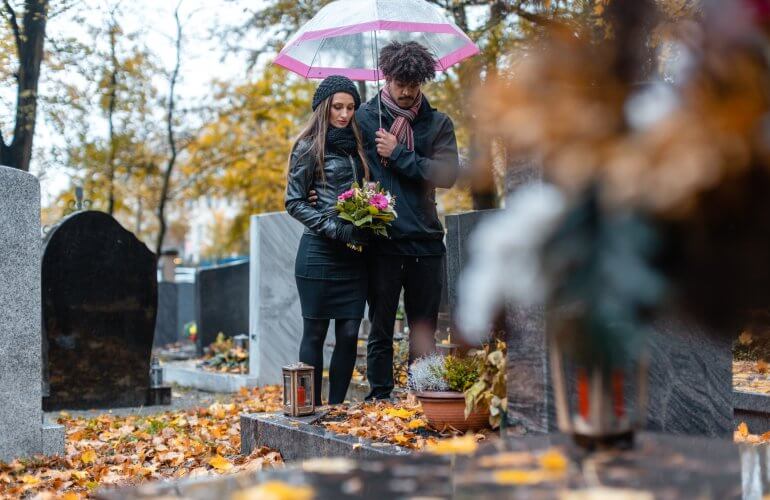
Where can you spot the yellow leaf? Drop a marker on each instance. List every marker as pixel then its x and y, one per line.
pixel 400 438
pixel 220 463
pixel 553 460
pixel 465 445
pixel 416 424
pixel 745 338
pixel 743 429
pixel 79 474
pixel 27 479
pixel 604 493
pixel 399 413
pixel 275 490
pixel 519 476
pixel 88 457
pixel 71 496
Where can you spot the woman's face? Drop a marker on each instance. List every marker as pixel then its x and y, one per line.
pixel 342 109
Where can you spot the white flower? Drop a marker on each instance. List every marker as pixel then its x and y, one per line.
pixel 504 253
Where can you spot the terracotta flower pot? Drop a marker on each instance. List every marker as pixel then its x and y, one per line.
pixel 448 409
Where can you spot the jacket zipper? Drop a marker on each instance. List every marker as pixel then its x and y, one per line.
pixel 353 166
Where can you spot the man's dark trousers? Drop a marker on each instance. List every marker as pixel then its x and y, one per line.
pixel 422 280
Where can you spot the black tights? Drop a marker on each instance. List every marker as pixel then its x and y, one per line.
pixel 343 357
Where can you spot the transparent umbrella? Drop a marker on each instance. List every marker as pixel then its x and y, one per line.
pixel 345 36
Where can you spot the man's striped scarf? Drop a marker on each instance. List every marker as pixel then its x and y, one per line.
pixel 402 125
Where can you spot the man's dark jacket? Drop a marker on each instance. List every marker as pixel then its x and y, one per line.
pixel 413 176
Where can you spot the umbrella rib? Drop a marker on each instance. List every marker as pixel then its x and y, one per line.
pixel 312 61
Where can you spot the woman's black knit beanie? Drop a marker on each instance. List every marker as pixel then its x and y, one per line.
pixel 333 84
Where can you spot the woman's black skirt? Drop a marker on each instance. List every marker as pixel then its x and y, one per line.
pixel 331 279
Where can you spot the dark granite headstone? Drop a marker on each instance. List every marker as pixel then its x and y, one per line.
pixel 100 297
pixel 690 379
pixel 185 293
pixel 222 302
pixel 166 327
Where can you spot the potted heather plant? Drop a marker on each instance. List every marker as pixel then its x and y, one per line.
pixel 439 383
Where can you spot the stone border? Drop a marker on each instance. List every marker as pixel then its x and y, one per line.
pixel 298 439
pixel 185 374
pixel 753 408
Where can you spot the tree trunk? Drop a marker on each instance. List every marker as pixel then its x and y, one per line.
pixel 110 120
pixel 30 37
pixel 171 140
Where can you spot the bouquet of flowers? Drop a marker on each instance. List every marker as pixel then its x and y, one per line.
pixel 369 207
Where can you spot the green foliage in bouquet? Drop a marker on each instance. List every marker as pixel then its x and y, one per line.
pixel 369 207
pixel 489 389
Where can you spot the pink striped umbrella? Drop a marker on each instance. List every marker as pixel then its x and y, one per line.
pixel 345 36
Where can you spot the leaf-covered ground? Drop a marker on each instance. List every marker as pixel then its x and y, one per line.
pixel 751 376
pixel 401 423
pixel 113 450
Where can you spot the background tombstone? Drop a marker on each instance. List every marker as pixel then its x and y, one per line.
pixel 690 378
pixel 22 431
pixel 222 302
pixel 166 326
pixel 99 308
pixel 275 323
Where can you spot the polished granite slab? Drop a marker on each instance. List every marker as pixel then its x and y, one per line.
pixel 99 303
pixel 222 302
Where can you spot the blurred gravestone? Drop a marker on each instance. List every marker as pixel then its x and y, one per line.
pixel 166 330
pixel 222 302
pixel 99 308
pixel 690 378
pixel 22 431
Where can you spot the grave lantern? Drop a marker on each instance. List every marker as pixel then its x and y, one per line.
pixel 446 347
pixel 298 390
pixel 241 342
pixel 156 373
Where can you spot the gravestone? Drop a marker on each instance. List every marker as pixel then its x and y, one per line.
pixel 99 307
pixel 22 430
pixel 275 322
pixel 690 377
pixel 222 302
pixel 185 293
pixel 166 324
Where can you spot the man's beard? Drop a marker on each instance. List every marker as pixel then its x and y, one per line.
pixel 405 103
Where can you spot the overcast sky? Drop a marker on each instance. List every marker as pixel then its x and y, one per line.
pixel 202 57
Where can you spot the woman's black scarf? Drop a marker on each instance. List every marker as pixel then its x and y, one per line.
pixel 341 140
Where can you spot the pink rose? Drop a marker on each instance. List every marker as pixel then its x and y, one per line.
pixel 379 201
pixel 346 195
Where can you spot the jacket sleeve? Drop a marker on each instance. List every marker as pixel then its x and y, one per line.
pixel 301 175
pixel 441 169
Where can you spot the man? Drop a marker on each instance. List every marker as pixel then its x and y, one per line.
pixel 413 153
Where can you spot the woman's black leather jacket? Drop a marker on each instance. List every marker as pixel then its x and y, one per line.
pixel 340 171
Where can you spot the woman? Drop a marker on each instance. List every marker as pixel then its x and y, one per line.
pixel 331 278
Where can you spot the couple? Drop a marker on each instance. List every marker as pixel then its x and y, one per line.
pixel 414 152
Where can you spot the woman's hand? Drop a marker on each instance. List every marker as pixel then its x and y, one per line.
pixel 312 197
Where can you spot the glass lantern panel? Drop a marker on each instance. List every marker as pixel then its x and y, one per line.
pixel 303 390
pixel 287 390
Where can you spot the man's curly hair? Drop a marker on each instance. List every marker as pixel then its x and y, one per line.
pixel 407 62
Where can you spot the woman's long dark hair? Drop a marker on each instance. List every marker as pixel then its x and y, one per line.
pixel 315 131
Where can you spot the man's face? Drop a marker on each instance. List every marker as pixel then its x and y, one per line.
pixel 404 93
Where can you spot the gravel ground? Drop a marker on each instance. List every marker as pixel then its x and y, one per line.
pixel 181 398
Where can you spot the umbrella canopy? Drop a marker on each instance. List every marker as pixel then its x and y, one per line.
pixel 345 36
